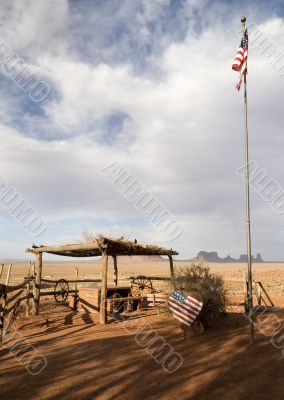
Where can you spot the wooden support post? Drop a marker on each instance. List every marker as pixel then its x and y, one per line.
pixel 76 283
pixel 38 271
pixel 73 302
pixel 103 304
pixel 255 288
pixel 259 293
pixel 1 270
pixel 266 294
pixel 28 293
pixel 8 275
pixel 4 305
pixel 245 290
pixel 33 285
pixel 115 269
pixel 171 266
pixel 28 289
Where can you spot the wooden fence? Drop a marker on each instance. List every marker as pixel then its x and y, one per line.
pixel 27 293
pixel 11 297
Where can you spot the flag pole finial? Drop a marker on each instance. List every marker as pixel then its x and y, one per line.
pixel 243 21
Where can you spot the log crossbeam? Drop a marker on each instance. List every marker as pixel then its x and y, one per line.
pixel 100 246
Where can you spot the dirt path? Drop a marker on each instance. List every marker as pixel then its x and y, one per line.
pixel 86 360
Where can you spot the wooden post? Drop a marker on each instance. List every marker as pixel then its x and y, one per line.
pixel 1 270
pixel 171 266
pixel 255 288
pixel 73 302
pixel 103 304
pixel 8 275
pixel 28 311
pixel 266 294
pixel 33 269
pixel 259 293
pixel 115 269
pixel 33 284
pixel 76 284
pixel 4 305
pixel 76 297
pixel 38 270
pixel 245 290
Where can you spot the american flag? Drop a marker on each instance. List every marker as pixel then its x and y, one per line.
pixel 240 61
pixel 185 308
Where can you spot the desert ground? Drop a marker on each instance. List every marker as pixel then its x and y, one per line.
pixel 270 274
pixel 86 360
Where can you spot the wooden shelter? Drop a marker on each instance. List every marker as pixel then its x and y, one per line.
pixel 100 246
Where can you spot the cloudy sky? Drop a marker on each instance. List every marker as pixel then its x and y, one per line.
pixel 147 84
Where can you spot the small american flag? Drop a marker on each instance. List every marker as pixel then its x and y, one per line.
pixel 240 61
pixel 185 308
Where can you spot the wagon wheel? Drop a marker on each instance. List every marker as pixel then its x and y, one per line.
pixel 141 286
pixel 61 291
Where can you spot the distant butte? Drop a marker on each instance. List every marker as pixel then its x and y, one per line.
pixel 212 256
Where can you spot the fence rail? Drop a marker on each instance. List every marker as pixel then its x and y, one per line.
pixel 8 310
pixel 153 278
pixel 71 280
pixel 49 293
pixel 11 289
pixel 32 288
pixel 15 297
pixel 12 296
pixel 21 292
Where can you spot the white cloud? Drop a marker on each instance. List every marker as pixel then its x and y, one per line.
pixel 34 24
pixel 183 138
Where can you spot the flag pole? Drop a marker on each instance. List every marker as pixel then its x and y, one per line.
pixel 248 231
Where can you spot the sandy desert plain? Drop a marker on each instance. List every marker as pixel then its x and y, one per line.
pixel 86 360
pixel 270 274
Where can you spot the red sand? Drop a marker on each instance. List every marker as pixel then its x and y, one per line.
pixel 90 361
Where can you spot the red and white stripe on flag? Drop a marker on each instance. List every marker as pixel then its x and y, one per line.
pixel 185 308
pixel 240 60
